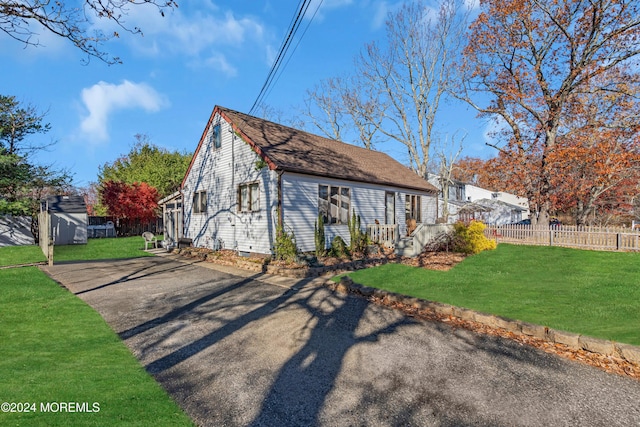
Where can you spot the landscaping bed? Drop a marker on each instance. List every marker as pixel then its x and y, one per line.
pixel 314 267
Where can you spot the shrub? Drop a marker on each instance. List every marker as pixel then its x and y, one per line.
pixel 471 239
pixel 339 248
pixel 285 247
pixel 318 231
pixel 359 239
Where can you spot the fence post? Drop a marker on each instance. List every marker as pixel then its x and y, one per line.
pixel 550 237
pixel 50 252
pixel 618 241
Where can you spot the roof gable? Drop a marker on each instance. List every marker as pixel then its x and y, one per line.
pixel 66 204
pixel 292 150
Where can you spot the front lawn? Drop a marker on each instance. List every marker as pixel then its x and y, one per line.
pixel 57 352
pixel 587 292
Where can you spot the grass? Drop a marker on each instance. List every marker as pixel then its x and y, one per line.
pixel 121 247
pixel 587 292
pixel 56 349
pixel 15 255
pixel 95 249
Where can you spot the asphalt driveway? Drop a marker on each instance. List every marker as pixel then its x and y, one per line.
pixel 238 349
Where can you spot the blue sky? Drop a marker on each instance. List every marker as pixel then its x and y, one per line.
pixel 203 54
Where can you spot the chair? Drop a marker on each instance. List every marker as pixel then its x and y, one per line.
pixel 149 239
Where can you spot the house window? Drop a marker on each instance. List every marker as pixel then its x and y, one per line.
pixel 200 202
pixel 249 197
pixel 412 207
pixel 334 203
pixel 215 138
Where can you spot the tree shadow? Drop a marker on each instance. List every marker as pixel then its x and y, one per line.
pixel 301 387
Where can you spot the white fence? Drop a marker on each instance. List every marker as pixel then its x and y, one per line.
pixel 383 234
pixel 597 238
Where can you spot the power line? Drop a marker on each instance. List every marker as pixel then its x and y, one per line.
pixel 301 11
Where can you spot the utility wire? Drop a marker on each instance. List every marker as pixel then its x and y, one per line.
pixel 303 6
pixel 294 49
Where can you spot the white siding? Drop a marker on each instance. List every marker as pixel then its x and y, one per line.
pixel 300 207
pixel 219 172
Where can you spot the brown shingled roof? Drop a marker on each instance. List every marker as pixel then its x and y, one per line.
pixel 291 150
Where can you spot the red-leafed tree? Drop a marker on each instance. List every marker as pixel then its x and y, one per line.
pixel 133 201
pixel 562 77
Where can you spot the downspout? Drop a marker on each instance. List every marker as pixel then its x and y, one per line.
pixel 279 203
pixel 233 186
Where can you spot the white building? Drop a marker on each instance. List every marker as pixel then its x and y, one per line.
pixel 248 176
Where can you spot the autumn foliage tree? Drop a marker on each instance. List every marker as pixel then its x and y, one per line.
pixel 562 79
pixel 137 201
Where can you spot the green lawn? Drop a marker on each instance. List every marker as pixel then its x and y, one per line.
pixel 15 255
pixel 55 349
pixel 121 247
pixel 587 292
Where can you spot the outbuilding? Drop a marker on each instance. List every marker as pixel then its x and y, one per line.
pixel 68 219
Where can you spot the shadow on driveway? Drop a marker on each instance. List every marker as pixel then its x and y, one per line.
pixel 248 350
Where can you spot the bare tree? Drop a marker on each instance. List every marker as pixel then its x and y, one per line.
pixel 447 158
pixel 343 109
pixel 325 107
pixel 413 74
pixel 396 90
pixel 72 22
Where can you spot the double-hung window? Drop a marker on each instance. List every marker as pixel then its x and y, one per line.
pixel 334 203
pixel 249 197
pixel 200 202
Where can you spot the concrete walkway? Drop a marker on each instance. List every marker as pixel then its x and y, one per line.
pixel 238 349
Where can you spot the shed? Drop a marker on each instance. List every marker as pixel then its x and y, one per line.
pixel 69 219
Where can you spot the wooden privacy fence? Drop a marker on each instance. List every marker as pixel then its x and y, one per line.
pixel 596 238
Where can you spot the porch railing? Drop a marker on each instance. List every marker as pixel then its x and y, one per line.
pixel 384 234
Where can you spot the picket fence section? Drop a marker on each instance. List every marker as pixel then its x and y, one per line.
pixel 596 238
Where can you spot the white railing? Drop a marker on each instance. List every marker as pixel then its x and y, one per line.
pixel 598 238
pixel 386 234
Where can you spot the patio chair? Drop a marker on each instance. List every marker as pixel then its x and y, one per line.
pixel 149 239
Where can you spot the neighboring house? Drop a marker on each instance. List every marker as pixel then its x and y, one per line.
pixel 504 208
pixel 69 219
pixel 248 176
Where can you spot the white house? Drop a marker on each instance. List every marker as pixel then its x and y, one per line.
pixel 250 175
pixel 493 207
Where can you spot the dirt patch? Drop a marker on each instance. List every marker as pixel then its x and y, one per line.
pixel 441 261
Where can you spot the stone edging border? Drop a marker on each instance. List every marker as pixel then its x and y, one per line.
pixel 296 273
pixel 625 352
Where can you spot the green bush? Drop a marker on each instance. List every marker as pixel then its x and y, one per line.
pixel 470 239
pixel 339 248
pixel 359 239
pixel 285 248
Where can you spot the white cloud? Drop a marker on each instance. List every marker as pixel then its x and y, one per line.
pixel 188 31
pixel 218 61
pixel 103 98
